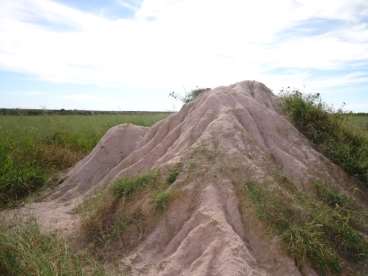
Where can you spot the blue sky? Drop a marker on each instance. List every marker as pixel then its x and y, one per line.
pixel 130 54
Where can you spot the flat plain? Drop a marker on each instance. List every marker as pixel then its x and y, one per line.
pixel 33 148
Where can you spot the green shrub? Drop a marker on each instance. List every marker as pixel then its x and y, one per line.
pixel 194 94
pixel 24 250
pixel 189 97
pixel 173 174
pixel 317 228
pixel 328 130
pixel 162 200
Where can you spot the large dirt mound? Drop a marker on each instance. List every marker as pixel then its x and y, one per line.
pixel 227 135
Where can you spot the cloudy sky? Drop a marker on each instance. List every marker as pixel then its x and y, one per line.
pixel 130 54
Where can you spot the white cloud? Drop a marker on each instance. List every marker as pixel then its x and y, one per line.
pixel 171 43
pixel 129 4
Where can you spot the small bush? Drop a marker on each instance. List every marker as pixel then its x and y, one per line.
pixel 194 94
pixel 173 174
pixel 329 131
pixel 162 200
pixel 189 97
pixel 317 228
pixel 24 250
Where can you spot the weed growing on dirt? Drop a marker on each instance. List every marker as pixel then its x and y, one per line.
pixel 173 174
pixel 24 250
pixel 319 228
pixel 122 215
pixel 162 200
pixel 126 187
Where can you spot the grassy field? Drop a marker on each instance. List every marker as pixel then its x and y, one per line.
pixel 360 121
pixel 33 148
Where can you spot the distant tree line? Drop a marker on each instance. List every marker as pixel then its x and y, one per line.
pixel 21 111
pixel 358 114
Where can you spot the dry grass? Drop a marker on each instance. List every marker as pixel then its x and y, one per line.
pixel 24 250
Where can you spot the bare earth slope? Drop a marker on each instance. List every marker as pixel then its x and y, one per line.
pixel 228 135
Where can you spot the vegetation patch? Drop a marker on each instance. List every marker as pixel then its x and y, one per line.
pixel 330 131
pixel 359 120
pixel 173 174
pixel 24 250
pixel 162 200
pixel 192 95
pixel 317 228
pixel 124 214
pixel 127 187
pixel 189 97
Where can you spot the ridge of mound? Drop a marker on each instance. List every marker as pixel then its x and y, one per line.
pixel 226 136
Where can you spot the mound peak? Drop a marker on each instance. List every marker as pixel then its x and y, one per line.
pixel 228 135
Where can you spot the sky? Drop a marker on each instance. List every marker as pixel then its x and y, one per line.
pixel 130 54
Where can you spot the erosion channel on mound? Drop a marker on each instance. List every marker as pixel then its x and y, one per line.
pixel 226 137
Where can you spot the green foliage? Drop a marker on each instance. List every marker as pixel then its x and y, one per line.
pixel 332 197
pixel 318 228
pixel 330 132
pixel 359 120
pixel 18 179
pixel 126 187
pixel 173 174
pixel 24 250
pixel 189 97
pixel 194 94
pixel 162 200
pixel 33 148
pixel 120 216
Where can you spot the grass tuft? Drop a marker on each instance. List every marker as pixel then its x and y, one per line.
pixel 121 216
pixel 173 174
pixel 24 250
pixel 130 185
pixel 162 200
pixel 319 228
pixel 332 197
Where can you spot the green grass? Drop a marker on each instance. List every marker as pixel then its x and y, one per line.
pixel 123 214
pixel 24 250
pixel 359 121
pixel 173 174
pixel 317 228
pixel 333 133
pixel 33 148
pixel 128 186
pixel 162 200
